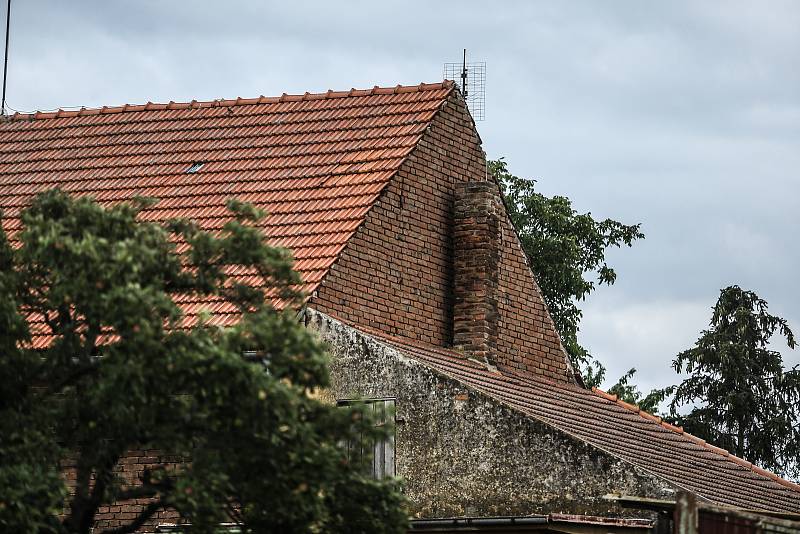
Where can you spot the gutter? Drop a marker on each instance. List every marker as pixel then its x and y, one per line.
pixel 518 523
pixel 467 522
pixel 667 506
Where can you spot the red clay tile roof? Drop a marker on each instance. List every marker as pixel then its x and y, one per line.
pixel 620 429
pixel 314 162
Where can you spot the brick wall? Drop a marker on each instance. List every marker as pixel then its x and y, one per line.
pixel 476 261
pixel 130 467
pixel 396 273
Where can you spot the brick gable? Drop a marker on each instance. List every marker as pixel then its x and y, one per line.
pixel 315 162
pixel 396 273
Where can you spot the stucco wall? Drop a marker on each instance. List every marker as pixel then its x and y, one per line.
pixel 462 453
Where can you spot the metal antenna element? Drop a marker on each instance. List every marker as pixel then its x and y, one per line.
pixel 5 63
pixel 463 73
pixel 472 84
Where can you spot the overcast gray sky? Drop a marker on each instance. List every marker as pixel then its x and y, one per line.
pixel 684 116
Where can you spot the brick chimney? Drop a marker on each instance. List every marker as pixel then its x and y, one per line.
pixel 476 257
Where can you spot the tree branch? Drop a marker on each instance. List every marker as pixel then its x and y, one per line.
pixel 77 372
pixel 148 487
pixel 145 514
pixel 139 492
pixel 77 508
pixel 102 480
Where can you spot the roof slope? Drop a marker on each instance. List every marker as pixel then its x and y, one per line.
pixel 621 430
pixel 314 162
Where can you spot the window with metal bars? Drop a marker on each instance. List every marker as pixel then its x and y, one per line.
pixel 380 453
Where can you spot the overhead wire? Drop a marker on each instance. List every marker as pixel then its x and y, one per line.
pixel 5 61
pixel 4 103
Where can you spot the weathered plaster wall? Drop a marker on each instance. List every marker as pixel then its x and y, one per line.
pixel 462 453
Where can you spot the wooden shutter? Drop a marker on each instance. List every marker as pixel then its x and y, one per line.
pixel 383 460
pixel 383 450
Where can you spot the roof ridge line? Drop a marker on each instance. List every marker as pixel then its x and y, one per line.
pixel 230 102
pixel 701 442
pixel 452 353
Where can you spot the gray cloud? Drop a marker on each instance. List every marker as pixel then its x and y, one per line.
pixel 684 116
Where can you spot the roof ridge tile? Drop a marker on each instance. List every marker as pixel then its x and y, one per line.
pixel 152 106
pixel 607 396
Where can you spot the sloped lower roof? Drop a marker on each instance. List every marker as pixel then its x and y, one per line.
pixel 620 429
pixel 314 162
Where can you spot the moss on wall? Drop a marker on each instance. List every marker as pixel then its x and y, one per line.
pixel 463 453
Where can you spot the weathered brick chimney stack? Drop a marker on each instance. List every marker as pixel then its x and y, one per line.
pixel 476 244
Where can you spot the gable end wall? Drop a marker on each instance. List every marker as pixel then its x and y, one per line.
pixel 396 273
pixel 463 453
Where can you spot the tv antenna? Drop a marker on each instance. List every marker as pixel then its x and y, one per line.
pixel 471 80
pixel 5 62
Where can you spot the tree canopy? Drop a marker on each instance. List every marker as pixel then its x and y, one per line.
pixel 629 392
pixel 566 251
pixel 125 370
pixel 741 397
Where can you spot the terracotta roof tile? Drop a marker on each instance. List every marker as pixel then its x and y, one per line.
pixel 314 162
pixel 620 429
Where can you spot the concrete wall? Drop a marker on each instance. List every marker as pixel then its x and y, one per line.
pixel 462 453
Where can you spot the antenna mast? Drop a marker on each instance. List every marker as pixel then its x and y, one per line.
pixel 472 84
pixel 5 63
pixel 463 74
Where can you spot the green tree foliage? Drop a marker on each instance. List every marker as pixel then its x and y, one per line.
pixel 563 247
pixel 125 372
pixel 627 391
pixel 741 397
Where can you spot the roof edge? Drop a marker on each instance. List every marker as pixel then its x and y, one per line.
pixel 701 442
pixel 196 104
pixel 446 84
